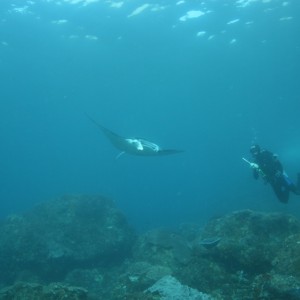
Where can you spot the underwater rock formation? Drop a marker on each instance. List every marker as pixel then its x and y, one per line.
pixel 161 246
pixel 26 291
pixel 254 259
pixel 249 240
pixel 169 288
pixel 61 235
pixel 85 241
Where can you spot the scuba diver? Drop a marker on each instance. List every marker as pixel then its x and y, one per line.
pixel 267 165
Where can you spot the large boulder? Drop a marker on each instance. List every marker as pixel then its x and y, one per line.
pixel 61 235
pixel 250 241
pixel 246 255
pixel 162 247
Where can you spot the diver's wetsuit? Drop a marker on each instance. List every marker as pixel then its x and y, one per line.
pixel 272 172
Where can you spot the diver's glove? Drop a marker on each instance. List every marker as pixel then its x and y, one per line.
pixel 254 166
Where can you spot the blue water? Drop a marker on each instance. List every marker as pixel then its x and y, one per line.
pixel 202 85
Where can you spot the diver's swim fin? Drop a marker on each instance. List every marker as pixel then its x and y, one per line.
pixel 298 182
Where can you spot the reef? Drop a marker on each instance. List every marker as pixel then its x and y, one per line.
pixel 81 247
pixel 33 291
pixel 61 235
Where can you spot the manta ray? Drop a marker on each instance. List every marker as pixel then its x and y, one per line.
pixel 134 146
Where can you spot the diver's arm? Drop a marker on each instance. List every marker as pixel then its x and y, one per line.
pixel 253 166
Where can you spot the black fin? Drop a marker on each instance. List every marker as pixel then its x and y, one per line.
pixel 298 182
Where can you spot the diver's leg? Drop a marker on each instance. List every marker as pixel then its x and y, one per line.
pixel 295 188
pixel 298 184
pixel 286 181
pixel 281 191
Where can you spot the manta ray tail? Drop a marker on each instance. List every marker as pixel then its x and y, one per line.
pixel 120 154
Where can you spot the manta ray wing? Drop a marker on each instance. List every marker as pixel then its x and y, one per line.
pixel 118 141
pixel 168 151
pixel 135 146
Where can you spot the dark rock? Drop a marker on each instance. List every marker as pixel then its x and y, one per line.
pixel 144 274
pixel 256 257
pixel 250 240
pixel 27 291
pixel 276 287
pixel 62 235
pixel 162 247
pixel 91 279
pixel 86 242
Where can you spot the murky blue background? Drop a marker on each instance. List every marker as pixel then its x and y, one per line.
pixel 149 75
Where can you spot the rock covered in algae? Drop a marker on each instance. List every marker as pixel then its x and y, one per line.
pixel 163 247
pixel 61 235
pixel 26 291
pixel 169 288
pixel 254 259
pixel 250 240
pixel 254 255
